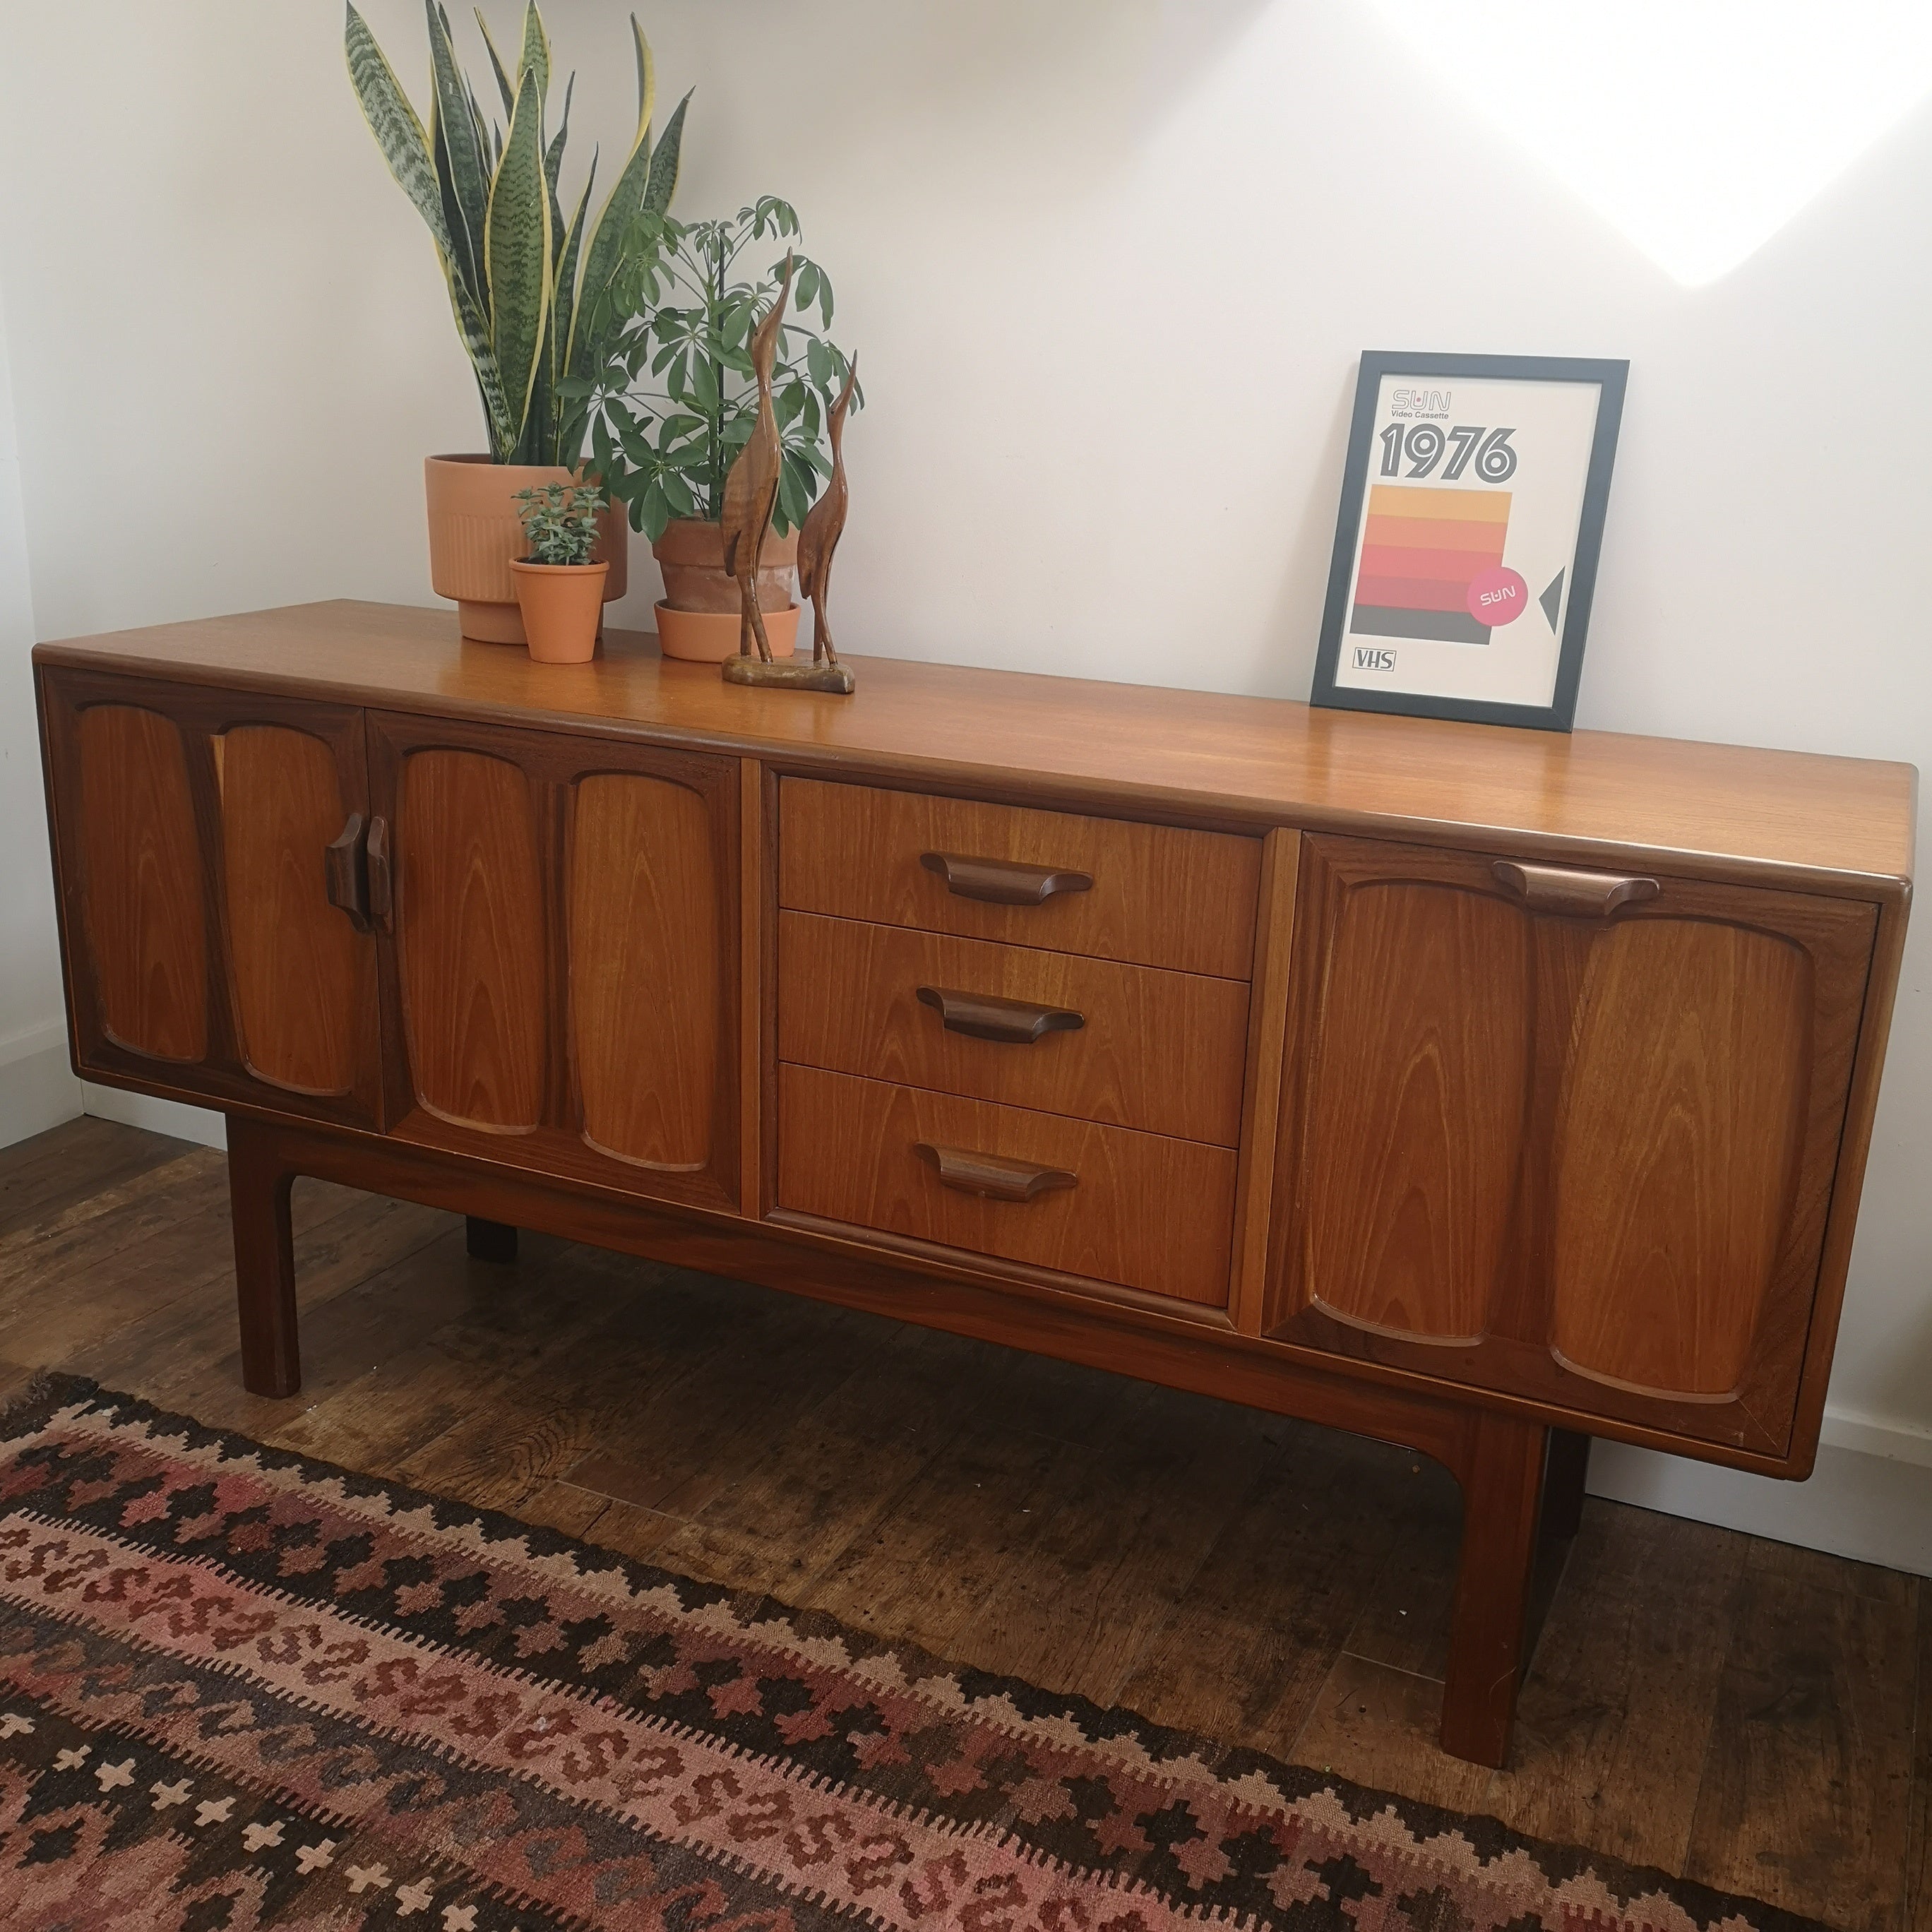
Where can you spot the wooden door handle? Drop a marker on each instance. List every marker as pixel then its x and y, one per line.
pixel 1003 881
pixel 987 1016
pixel 992 1175
pixel 1583 895
pixel 344 878
pixel 382 889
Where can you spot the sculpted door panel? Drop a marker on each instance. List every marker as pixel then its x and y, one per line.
pixel 1682 1115
pixel 564 952
pixel 469 939
pixel 205 956
pixel 147 917
pixel 303 977
pixel 1418 1101
pixel 1564 1133
pixel 647 923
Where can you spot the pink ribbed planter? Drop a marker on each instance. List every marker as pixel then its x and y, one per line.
pixel 474 532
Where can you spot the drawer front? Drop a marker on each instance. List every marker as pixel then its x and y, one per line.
pixel 1157 894
pixel 1131 1046
pixel 1140 1211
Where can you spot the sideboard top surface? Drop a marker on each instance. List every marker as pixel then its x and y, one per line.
pixel 1850 820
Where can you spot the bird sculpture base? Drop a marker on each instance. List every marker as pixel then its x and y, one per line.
pixel 744 669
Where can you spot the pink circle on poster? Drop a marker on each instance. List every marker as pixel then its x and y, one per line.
pixel 1497 595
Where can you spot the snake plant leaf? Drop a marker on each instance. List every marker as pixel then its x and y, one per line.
pixel 467 202
pixel 563 299
pixel 563 311
pixel 647 80
pixel 663 182
pixel 553 157
pixel 465 264
pixel 605 252
pixel 503 87
pixel 517 253
pixel 473 325
pixel 393 121
pixel 535 55
pixel 489 141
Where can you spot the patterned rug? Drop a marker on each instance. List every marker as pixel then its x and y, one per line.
pixel 241 1689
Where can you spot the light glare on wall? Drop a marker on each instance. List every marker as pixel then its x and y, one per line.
pixel 1697 127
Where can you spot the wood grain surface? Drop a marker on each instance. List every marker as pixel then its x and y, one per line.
pixel 1158 1051
pixel 469 939
pixel 1676 1150
pixel 1147 1212
pixel 647 890
pixel 604 878
pixel 1417 1112
pixel 1645 1128
pixel 1586 794
pixel 1162 895
pixel 142 876
pixel 300 971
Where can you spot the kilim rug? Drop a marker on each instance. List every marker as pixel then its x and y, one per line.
pixel 241 1689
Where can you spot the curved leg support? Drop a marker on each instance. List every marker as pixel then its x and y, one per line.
pixel 1501 1474
pixel 259 1181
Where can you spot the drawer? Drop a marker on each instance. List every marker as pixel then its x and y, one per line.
pixel 1135 1209
pixel 1132 1046
pixel 1153 895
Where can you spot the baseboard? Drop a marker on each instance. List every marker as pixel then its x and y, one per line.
pixel 37 1088
pixel 159 1117
pixel 1873 1508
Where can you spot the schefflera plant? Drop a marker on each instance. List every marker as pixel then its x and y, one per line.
pixel 536 305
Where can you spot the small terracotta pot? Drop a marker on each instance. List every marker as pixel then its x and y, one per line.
pixel 710 637
pixel 563 605
pixel 475 533
pixel 690 553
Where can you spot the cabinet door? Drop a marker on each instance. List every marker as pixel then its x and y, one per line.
pixel 561 951
pixel 204 953
pixel 1551 1133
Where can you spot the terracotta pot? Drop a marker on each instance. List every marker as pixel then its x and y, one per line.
pixel 475 533
pixel 563 605
pixel 690 553
pixel 710 637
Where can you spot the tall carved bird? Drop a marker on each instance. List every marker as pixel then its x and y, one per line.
pixel 751 489
pixel 824 524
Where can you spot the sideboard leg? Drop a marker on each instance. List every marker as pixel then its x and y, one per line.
pixel 1565 1472
pixel 264 1262
pixel 1502 1489
pixel 489 1241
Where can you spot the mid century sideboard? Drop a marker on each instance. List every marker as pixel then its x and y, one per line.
pixel 1481 1090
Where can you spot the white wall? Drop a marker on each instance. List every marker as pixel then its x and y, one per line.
pixel 37 1089
pixel 1109 262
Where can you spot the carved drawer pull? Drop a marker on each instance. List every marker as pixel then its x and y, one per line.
pixel 376 848
pixel 1587 894
pixel 344 878
pixel 1002 881
pixel 987 1016
pixel 992 1175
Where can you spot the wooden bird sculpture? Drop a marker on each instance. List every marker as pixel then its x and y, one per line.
pixel 751 489
pixel 824 523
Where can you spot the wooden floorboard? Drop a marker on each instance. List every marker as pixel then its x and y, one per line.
pixel 1752 1716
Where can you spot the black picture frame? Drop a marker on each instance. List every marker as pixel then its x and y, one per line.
pixel 1611 377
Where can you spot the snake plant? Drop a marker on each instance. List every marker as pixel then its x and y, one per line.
pixel 536 304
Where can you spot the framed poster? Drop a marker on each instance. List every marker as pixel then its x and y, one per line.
pixel 1465 552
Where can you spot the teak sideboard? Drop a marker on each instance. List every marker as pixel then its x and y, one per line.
pixel 1481 1090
